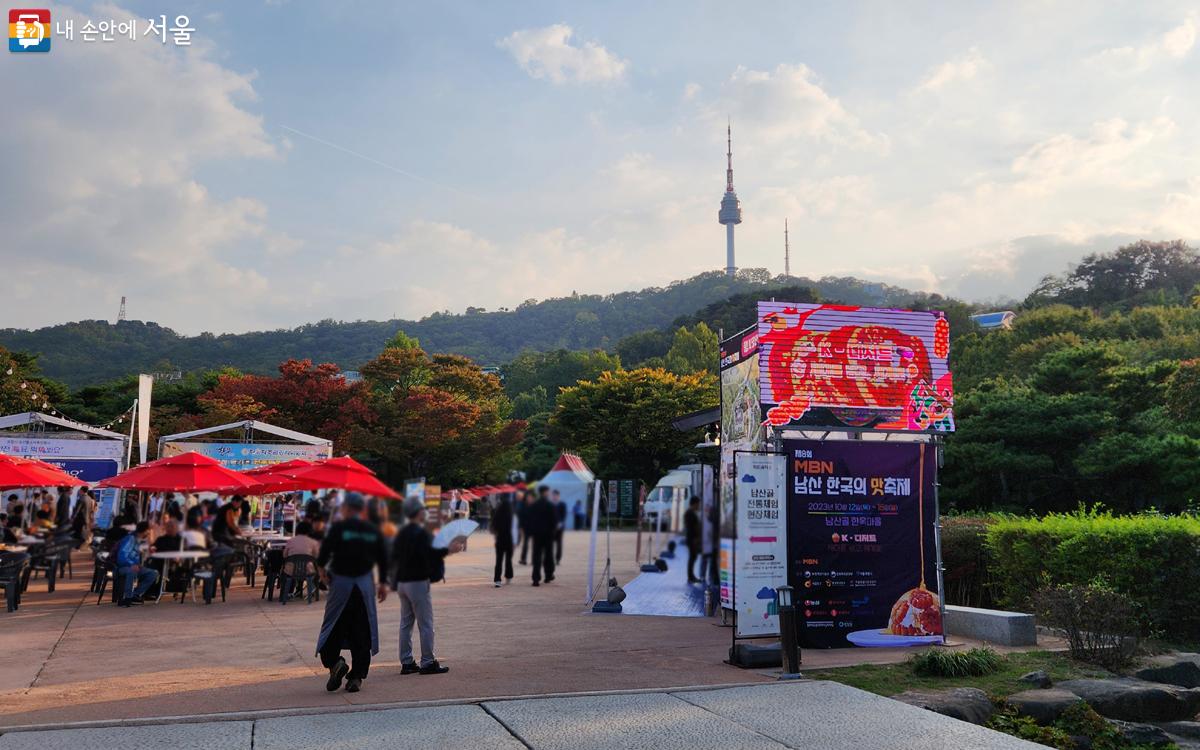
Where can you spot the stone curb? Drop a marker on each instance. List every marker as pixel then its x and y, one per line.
pixel 354 708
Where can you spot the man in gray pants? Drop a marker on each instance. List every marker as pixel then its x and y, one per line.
pixel 416 563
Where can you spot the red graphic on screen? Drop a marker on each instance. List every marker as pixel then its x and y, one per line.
pixel 867 372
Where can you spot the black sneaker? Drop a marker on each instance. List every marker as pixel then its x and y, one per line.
pixel 409 668
pixel 354 684
pixel 125 603
pixel 549 579
pixel 137 600
pixel 535 583
pixel 435 668
pixel 336 673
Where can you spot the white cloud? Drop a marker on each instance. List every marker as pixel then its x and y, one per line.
pixel 691 90
pixel 788 105
pixel 1105 154
pixel 1174 44
pixel 547 53
pixel 954 71
pixel 109 203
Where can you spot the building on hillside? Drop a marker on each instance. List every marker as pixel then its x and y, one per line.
pixel 994 321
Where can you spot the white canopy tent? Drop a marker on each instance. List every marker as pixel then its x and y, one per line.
pixel 572 478
pixel 85 452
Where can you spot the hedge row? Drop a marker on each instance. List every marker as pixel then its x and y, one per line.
pixel 1152 559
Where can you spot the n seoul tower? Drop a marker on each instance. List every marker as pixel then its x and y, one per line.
pixel 731 207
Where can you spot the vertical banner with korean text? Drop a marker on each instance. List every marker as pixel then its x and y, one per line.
pixel 862 542
pixel 741 430
pixel 761 560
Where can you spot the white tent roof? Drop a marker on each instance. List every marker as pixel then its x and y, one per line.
pixel 35 417
pixel 250 424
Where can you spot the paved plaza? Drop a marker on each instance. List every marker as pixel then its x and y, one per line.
pixel 70 660
pixel 809 714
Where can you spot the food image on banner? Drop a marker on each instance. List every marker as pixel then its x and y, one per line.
pixel 741 430
pixel 862 542
pixel 761 561
pixel 839 366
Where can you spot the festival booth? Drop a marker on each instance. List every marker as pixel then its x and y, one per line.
pixel 240 446
pixel 90 454
pixel 831 425
pixel 573 480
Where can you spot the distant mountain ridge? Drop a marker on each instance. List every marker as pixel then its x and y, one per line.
pixel 94 351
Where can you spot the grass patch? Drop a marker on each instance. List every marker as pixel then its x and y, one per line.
pixel 890 679
pixel 943 663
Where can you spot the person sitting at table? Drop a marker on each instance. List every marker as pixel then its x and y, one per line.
pixel 225 524
pixel 193 535
pixel 43 520
pixel 9 533
pixel 137 578
pixel 13 502
pixel 301 544
pixel 169 540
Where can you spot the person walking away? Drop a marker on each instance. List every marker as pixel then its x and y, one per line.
pixel 416 564
pixel 128 554
pixel 580 515
pixel 542 522
pixel 522 512
pixel 62 510
pixel 693 531
pixel 560 513
pixel 84 517
pixel 351 550
pixel 501 526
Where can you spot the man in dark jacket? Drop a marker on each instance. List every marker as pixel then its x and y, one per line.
pixel 501 526
pixel 352 549
pixel 416 563
pixel 694 534
pixel 560 514
pixel 540 524
pixel 522 511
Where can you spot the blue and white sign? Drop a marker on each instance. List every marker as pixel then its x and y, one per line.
pixel 243 456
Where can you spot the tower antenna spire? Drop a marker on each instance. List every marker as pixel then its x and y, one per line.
pixel 121 313
pixel 728 157
pixel 787 251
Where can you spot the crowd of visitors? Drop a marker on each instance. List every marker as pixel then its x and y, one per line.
pixel 358 557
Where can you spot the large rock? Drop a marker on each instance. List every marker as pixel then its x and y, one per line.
pixel 1038 679
pixel 964 704
pixel 1173 669
pixel 1131 699
pixel 1043 706
pixel 1141 734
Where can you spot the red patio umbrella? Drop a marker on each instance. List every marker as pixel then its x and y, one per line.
pixel 17 472
pixel 342 473
pixel 186 472
pixel 273 478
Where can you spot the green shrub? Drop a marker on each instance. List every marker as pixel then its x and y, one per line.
pixel 967 569
pixel 1101 624
pixel 1007 721
pixel 940 663
pixel 1152 559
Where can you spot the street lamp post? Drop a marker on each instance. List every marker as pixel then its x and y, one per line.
pixel 787 634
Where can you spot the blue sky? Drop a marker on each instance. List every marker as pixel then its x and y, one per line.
pixel 303 161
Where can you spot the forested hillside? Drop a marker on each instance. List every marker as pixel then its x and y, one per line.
pixel 95 351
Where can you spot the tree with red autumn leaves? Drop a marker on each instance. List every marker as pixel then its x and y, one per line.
pixel 439 417
pixel 315 399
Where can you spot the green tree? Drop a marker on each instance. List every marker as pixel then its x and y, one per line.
pixel 624 417
pixel 555 370
pixel 694 350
